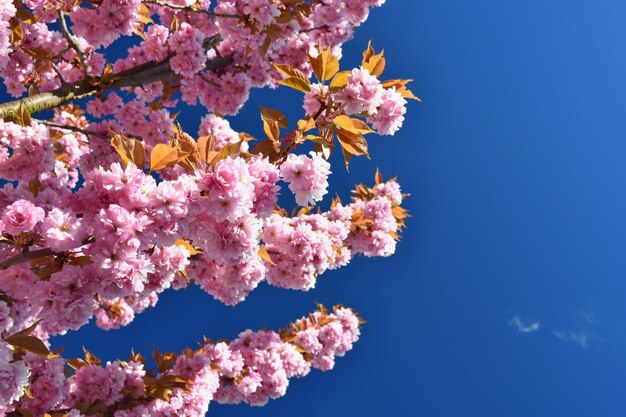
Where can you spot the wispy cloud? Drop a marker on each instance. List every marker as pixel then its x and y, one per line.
pixel 523 327
pixel 584 335
pixel 581 337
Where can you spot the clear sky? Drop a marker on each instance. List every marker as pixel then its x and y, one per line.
pixel 505 298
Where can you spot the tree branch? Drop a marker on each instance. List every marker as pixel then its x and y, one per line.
pixel 72 128
pixel 70 39
pixel 26 256
pixel 191 9
pixel 140 75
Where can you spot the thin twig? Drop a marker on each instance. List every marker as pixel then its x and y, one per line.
pixel 26 256
pixel 72 128
pixel 191 9
pixel 56 69
pixel 70 39
pixel 323 27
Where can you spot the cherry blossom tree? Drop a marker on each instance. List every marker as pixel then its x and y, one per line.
pixel 106 201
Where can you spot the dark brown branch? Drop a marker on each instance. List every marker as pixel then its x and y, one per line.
pixel 26 256
pixel 72 128
pixel 134 77
pixel 191 9
pixel 72 42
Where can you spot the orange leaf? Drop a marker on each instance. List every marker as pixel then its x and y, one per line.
pixel 340 80
pixel 374 63
pixel 29 343
pixel 289 71
pixel 192 251
pixel 352 125
pixel 162 156
pixel 90 358
pixel 306 125
pixel 329 63
pixel 378 178
pixel 296 83
pixel 354 144
pixel 274 115
pixel 264 255
pixel 129 150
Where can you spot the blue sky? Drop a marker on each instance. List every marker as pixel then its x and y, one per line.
pixel 515 166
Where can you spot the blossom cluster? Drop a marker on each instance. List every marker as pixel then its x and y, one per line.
pixel 106 205
pixel 252 33
pixel 114 244
pixel 253 368
pixel 363 95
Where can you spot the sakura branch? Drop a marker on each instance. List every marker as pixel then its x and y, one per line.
pixel 106 201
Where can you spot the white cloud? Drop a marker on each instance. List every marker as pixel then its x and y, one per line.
pixel 584 335
pixel 581 337
pixel 522 327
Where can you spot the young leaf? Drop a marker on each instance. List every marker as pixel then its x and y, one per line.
pixel 270 127
pixel 306 124
pixel 400 86
pixel 129 150
pixel 340 80
pixel 296 83
pixel 328 63
pixel 295 78
pixel 29 343
pixel 378 178
pixel 355 144
pixel 90 358
pixel 275 115
pixel 374 63
pixel 289 71
pixel 264 255
pixel 352 125
pixel 162 156
pixel 192 251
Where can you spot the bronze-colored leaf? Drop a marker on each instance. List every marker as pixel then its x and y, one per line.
pixel 329 63
pixel 271 129
pixel 378 178
pixel 90 358
pixel 296 83
pixel 263 254
pixel 340 80
pixel 352 125
pixel 34 186
pixel 26 16
pixel 274 115
pixel 374 63
pixel 290 71
pixel 30 344
pixel 185 244
pixel 306 124
pixel 143 13
pixel 129 150
pixel 162 156
pixel 354 144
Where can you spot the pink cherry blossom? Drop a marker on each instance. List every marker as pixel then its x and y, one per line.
pixel 307 177
pixel 21 216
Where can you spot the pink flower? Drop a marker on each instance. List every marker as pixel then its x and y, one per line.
pixel 263 11
pixel 390 114
pixel 229 189
pixel 190 56
pixel 314 98
pixel 307 177
pixel 13 376
pixel 62 231
pixel 220 129
pixel 362 94
pixel 265 176
pixel 22 216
